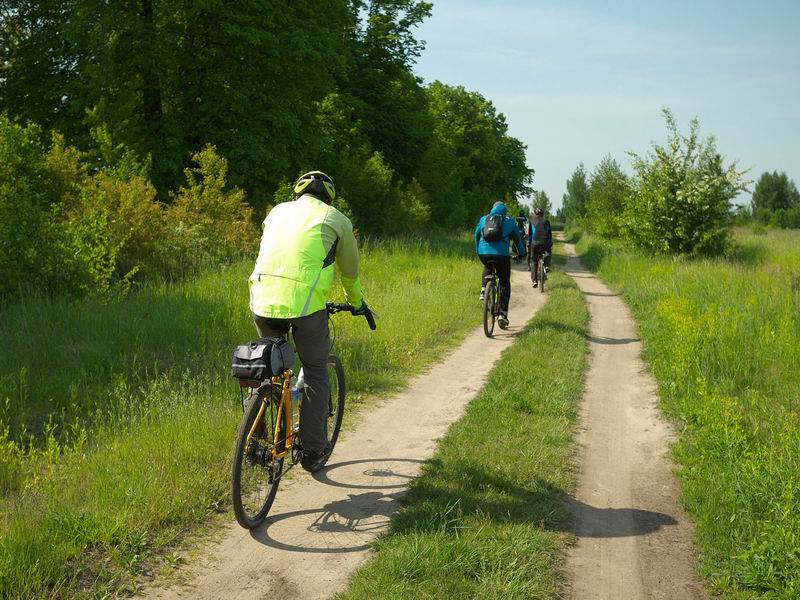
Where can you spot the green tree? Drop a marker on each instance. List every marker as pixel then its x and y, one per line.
pixel 541 200
pixel 471 160
pixel 608 192
pixel 774 197
pixel 165 77
pixel 680 203
pixel 389 100
pixel 574 201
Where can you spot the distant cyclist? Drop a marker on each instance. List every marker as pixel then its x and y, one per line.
pixel 522 226
pixel 541 241
pixel 493 234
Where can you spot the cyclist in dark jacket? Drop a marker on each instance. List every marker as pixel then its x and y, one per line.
pixel 497 253
pixel 522 225
pixel 541 241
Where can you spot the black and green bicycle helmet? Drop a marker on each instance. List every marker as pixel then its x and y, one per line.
pixel 317 184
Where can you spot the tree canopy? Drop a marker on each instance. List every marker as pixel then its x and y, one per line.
pixel 574 201
pixel 776 200
pixel 276 86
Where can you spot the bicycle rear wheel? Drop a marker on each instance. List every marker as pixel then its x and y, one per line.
pixel 489 313
pixel 254 473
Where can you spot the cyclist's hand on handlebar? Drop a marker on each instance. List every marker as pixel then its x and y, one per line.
pixel 361 310
pixel 365 311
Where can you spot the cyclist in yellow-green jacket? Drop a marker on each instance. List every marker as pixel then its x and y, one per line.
pixel 290 284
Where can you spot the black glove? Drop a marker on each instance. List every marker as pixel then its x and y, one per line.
pixel 361 310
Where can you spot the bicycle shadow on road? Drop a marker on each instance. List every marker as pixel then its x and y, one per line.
pixel 345 524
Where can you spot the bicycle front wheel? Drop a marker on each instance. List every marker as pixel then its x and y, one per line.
pixel 335 400
pixel 489 313
pixel 254 473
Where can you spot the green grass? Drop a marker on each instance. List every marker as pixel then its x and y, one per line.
pixel 486 518
pixel 723 340
pixel 119 419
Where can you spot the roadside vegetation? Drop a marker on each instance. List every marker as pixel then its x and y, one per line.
pixel 486 517
pixel 722 337
pixel 118 418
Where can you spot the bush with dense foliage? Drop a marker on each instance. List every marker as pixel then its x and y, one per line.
pixel 609 189
pixel 680 201
pixel 67 226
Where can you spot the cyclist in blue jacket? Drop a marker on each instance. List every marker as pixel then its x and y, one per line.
pixel 493 233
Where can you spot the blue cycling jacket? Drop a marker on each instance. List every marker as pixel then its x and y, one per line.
pixel 510 232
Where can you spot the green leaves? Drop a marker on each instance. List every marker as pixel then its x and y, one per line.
pixel 574 201
pixel 276 86
pixel 776 200
pixel 681 195
pixel 609 190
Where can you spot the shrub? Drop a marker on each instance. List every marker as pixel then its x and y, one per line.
pixel 416 205
pixel 88 224
pixel 207 224
pixel 681 195
pixel 608 193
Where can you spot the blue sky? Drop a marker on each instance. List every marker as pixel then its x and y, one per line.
pixel 579 80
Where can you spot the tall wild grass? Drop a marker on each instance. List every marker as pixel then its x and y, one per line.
pixel 117 420
pixel 723 340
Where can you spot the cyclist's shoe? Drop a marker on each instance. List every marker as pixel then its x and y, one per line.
pixel 502 320
pixel 547 269
pixel 535 283
pixel 483 293
pixel 314 461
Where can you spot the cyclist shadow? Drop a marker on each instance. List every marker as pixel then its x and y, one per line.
pixel 350 524
pixel 593 522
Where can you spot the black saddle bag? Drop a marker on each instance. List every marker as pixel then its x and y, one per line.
pixel 262 359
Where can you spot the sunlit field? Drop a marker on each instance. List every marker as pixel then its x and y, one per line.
pixel 722 337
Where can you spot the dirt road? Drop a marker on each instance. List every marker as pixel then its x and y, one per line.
pixel 319 531
pixel 634 541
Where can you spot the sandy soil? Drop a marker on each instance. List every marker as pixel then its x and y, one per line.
pixel 320 528
pixel 634 540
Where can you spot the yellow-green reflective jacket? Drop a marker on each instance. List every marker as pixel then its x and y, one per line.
pixel 294 271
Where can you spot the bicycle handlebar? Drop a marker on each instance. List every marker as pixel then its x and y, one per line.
pixel 334 308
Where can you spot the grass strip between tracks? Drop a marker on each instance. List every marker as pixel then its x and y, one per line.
pixel 485 519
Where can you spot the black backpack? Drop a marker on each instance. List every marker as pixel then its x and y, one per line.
pixel 493 228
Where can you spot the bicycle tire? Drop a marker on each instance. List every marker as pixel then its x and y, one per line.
pixel 337 391
pixel 250 506
pixel 489 315
pixel 541 275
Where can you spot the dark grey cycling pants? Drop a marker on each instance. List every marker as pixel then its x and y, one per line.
pixel 313 345
pixel 502 266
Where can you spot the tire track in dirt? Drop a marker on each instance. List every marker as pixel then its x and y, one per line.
pixel 319 531
pixel 634 540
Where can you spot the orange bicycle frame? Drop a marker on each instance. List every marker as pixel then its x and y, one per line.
pixel 284 412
